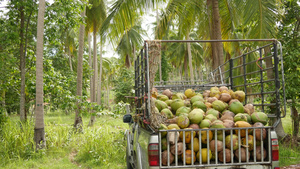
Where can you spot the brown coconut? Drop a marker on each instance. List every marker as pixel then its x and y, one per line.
pixel 164 156
pixel 226 117
pixel 260 133
pixel 227 156
pixel 228 123
pixel 225 97
pixel 250 107
pixel 243 154
pixel 233 100
pixel 212 146
pixel 223 88
pixel 206 93
pixel 211 99
pixel 208 105
pixel 259 154
pixel 228 112
pixel 179 148
pixel 168 93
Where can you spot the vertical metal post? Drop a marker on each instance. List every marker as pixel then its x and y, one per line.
pixel 147 80
pixel 230 73
pixel 137 82
pixel 245 77
pixel 261 81
pixel 277 82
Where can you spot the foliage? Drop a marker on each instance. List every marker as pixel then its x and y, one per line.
pixel 123 86
pixel 120 108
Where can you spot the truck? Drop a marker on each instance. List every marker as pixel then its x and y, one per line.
pixel 257 70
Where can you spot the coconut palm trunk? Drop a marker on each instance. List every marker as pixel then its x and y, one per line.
pixel 78 119
pixel 100 77
pixel 190 59
pixel 23 116
pixel 39 131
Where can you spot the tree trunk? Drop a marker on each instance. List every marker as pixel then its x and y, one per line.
pixel 90 64
pixel 185 63
pixel 39 131
pixel 159 62
pixel 218 57
pixel 23 116
pixel 127 61
pixel 100 77
pixel 78 119
pixel 190 59
pixel 296 120
pixel 70 58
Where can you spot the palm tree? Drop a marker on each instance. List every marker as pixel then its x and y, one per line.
pixel 39 131
pixel 95 17
pixel 78 119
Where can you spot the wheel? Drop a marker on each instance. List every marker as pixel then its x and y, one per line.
pixel 129 166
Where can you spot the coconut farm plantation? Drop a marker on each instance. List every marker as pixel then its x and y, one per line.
pixel 69 75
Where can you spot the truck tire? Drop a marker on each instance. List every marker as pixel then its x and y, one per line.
pixel 129 166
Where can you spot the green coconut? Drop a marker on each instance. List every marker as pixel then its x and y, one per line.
pixel 183 122
pixel 213 112
pixel 169 102
pixel 259 117
pixel 178 96
pixel 183 110
pixel 167 112
pixel 236 107
pixel 205 123
pixel 176 104
pixel 196 116
pixel 240 117
pixel 200 105
pixel 197 98
pixel 162 97
pixel 219 105
pixel 160 105
pixel 210 117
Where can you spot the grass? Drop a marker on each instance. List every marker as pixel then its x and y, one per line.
pixel 101 146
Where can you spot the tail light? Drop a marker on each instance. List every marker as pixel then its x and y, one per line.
pixel 153 154
pixel 275 150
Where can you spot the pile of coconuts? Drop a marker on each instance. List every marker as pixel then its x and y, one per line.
pixel 217 108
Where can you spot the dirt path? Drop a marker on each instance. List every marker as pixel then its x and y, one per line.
pixel 71 158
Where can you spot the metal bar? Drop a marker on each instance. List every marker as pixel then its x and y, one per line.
pixel 245 77
pixel 230 73
pixel 147 79
pixel 261 81
pixel 277 82
pixel 159 148
pixel 283 82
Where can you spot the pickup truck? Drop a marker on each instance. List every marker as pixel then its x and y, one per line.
pixel 256 71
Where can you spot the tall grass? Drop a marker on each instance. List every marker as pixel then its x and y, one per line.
pixel 101 146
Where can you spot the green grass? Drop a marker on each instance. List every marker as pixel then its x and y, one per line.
pixel 100 146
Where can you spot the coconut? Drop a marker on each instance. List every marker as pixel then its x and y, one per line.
pixel 210 117
pixel 172 136
pixel 197 98
pixel 204 157
pixel 242 124
pixel 176 104
pixel 189 93
pixel 205 123
pixel 187 103
pixel 183 110
pixel 178 96
pixel 250 107
pixel 240 117
pixel 188 135
pixel 188 156
pixel 183 121
pixel 236 107
pixel 260 117
pixel 172 126
pixel 261 133
pixel 233 100
pixel 206 93
pixel 234 140
pixel 195 145
pixel 212 145
pixel 226 117
pixel 167 112
pixel 218 105
pixel 223 88
pixel 213 112
pixel 250 142
pixel 260 154
pixel 228 123
pixel 217 124
pixel 228 112
pixel 163 127
pixel 164 157
pixel 225 97
pixel 208 105
pixel 204 138
pixel 160 105
pixel 211 99
pixel 196 116
pixel 200 105
pixel 164 143
pixel 169 102
pixel 179 148
pixel 162 97
pixel 227 156
pixel 168 93
pixel 243 156
pixel 240 95
pixel 154 92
